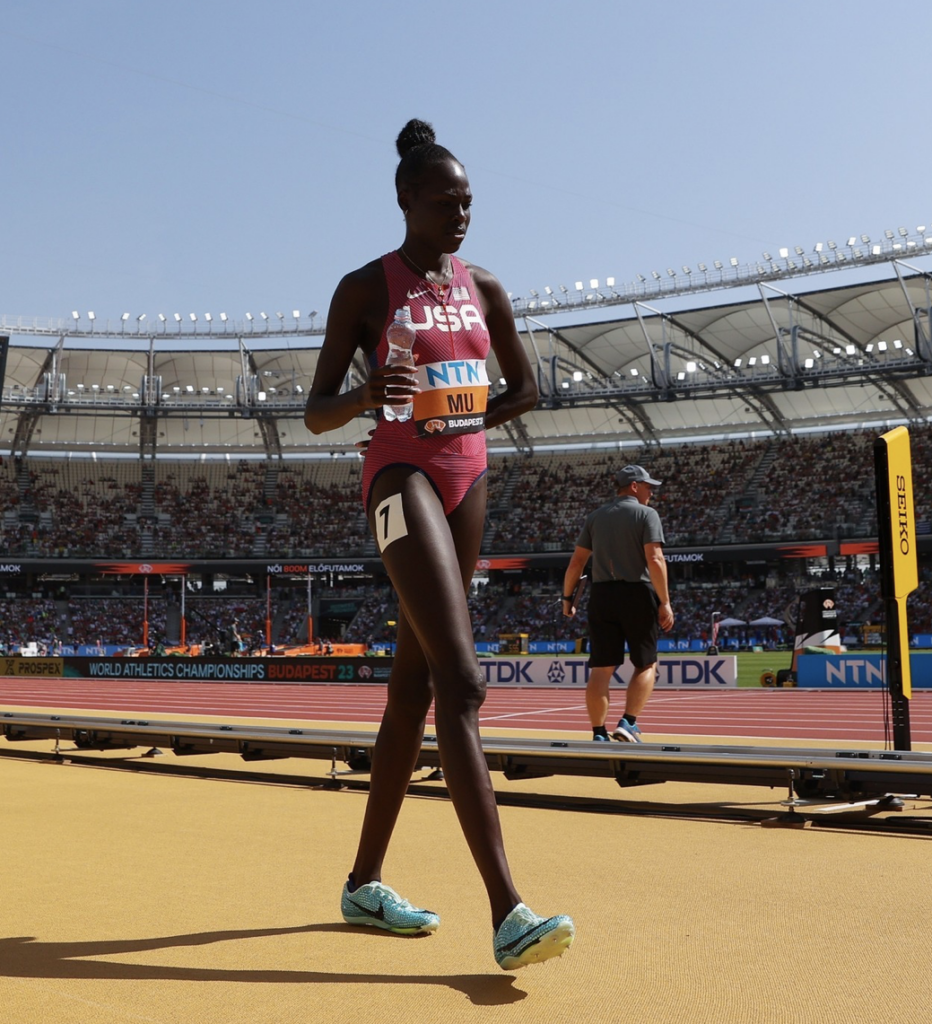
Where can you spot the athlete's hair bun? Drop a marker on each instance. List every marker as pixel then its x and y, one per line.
pixel 414 133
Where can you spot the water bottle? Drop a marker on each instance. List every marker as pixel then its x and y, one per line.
pixel 400 335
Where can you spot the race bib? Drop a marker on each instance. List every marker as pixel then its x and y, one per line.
pixel 453 397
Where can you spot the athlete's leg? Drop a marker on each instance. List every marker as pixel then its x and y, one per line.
pixel 640 688
pixel 430 559
pixel 597 693
pixel 395 753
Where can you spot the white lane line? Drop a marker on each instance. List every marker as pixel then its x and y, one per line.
pixel 528 714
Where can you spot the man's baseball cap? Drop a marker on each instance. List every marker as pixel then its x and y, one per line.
pixel 632 474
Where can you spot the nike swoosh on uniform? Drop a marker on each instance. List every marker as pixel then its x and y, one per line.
pixel 418 294
pixel 379 914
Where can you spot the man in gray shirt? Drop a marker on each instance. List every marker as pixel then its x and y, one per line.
pixel 629 599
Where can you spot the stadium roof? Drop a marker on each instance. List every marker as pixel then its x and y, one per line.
pixel 776 362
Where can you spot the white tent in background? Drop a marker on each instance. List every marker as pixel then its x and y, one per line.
pixel 767 620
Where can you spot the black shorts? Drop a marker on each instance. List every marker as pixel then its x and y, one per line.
pixel 620 611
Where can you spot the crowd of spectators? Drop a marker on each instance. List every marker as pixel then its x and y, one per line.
pixel 786 489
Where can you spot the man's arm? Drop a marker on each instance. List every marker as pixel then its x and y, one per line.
pixel 571 578
pixel 657 567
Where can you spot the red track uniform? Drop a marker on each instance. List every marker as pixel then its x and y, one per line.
pixel 445 438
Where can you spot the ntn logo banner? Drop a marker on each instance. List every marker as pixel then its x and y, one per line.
pixel 693 673
pixel 857 671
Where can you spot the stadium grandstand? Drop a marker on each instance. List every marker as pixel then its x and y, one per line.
pixel 165 459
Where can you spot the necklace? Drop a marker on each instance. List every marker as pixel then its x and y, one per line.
pixel 439 285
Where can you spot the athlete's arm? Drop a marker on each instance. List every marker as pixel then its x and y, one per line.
pixel 520 394
pixel 657 567
pixel 357 313
pixel 571 578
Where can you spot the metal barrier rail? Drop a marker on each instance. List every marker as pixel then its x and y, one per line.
pixel 828 775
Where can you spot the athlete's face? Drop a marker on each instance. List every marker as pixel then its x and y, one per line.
pixel 439 210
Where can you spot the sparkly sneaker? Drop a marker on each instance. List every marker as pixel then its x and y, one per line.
pixel 628 732
pixel 380 906
pixel 524 938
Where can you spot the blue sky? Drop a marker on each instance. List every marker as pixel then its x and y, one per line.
pixel 206 156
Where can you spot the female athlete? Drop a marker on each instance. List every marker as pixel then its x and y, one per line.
pixel 424 490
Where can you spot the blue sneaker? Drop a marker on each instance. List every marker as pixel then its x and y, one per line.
pixel 380 906
pixel 524 938
pixel 628 732
pixel 599 738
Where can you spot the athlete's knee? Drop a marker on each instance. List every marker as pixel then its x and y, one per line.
pixel 410 696
pixel 461 692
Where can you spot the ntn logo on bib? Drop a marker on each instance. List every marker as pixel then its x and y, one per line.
pixel 453 397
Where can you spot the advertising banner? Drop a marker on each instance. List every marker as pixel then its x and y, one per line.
pixel 232 670
pixel 856 671
pixel 689 673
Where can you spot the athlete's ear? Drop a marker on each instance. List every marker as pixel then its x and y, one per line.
pixel 404 201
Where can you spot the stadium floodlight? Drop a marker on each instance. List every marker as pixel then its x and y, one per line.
pixel 610 282
pixel 564 289
pixel 850 350
pixel 655 275
pixel 208 317
pixel 634 371
pixel 75 314
pixel 809 363
pixel 703 268
pixel 866 239
pixel 110 387
pixel 817 353
pixel 80 387
pixel 92 316
pixel 875 250
pixel 224 317
pixel 897 342
pixel 832 245
pixel 261 396
pixel 189 388
pixel 852 241
pixel 594 282
pixel 140 318
pixel 125 317
pixel 265 317
pixel 642 278
pixel 162 317
pixel 881 346
pixel 784 254
pixel 565 384
pixel 888 234
pixel 752 361
pixel 296 313
pixel 691 366
pixel 765 359
pixel 671 272
pixel 798 249
pixel 869 347
pixel 579 286
pixel 95 387
pixel 903 232
pixel 858 254
pixel 281 316
pixel 817 247
pixel 177 317
pixel 718 264
pixel 733 261
pixel 534 292
pixel 686 269
pixel 577 375
pixel 738 363
pixel 249 317
pixel 681 375
pixel 193 317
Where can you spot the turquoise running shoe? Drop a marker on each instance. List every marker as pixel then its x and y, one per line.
pixel 628 732
pixel 524 938
pixel 380 906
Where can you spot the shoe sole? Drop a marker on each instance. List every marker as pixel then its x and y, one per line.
pixel 625 737
pixel 371 922
pixel 554 943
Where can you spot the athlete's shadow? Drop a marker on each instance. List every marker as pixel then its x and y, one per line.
pixel 25 957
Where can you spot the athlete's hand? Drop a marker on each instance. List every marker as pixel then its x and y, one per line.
pixel 362 446
pixel 665 617
pixel 391 385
